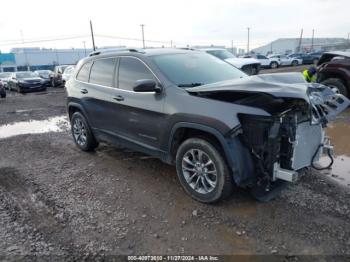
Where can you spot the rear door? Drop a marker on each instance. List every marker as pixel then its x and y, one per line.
pixel 142 113
pixel 285 60
pixel 263 60
pixel 98 92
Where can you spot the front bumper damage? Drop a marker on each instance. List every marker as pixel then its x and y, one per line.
pixel 285 143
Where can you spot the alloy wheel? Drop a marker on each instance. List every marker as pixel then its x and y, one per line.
pixel 199 171
pixel 79 132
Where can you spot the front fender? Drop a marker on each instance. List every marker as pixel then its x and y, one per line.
pixel 237 156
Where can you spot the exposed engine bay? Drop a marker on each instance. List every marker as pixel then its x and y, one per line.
pixel 292 137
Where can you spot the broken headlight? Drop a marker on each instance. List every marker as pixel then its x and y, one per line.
pixel 325 104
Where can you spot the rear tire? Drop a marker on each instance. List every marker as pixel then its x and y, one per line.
pixel 255 70
pixel 202 171
pixel 273 65
pixel 82 133
pixel 337 85
pixel 295 63
pixel 3 93
pixel 18 89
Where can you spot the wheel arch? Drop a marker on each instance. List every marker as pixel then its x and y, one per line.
pixel 235 154
pixel 76 107
pixel 183 130
pixel 330 74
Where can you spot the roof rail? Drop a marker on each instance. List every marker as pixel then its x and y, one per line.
pixel 114 50
pixel 187 48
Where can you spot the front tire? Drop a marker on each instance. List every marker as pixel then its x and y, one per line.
pixel 337 85
pixel 81 132
pixel 202 171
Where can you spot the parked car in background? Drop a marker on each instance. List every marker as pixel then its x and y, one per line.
pixel 308 59
pixel 2 89
pixel 317 55
pixel 45 75
pixel 26 81
pixel 265 61
pixel 334 71
pixel 250 66
pixel 56 76
pixel 219 127
pixel 67 73
pixel 285 60
pixel 5 77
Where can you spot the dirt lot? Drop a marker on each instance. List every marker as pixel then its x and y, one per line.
pixel 283 69
pixel 56 200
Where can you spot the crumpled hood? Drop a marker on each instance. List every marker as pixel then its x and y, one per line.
pixel 325 103
pixel 240 62
pixel 288 85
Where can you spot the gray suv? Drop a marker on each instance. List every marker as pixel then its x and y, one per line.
pixel 218 126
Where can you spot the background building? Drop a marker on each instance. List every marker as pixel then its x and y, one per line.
pixel 7 62
pixel 37 58
pixel 290 45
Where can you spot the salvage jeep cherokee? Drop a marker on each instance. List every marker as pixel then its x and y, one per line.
pixel 217 125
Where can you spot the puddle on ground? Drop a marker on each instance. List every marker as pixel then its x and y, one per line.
pixel 54 124
pixel 339 132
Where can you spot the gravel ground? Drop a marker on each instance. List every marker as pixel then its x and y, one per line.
pixel 56 200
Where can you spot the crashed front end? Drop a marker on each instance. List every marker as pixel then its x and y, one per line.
pixel 292 139
pixel 287 138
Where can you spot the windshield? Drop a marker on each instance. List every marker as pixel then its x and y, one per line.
pixel 43 72
pixel 5 75
pixel 26 75
pixel 195 68
pixel 222 54
pixel 61 69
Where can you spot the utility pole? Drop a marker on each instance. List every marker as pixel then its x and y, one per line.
pixel 84 47
pixel 301 37
pixel 312 40
pixel 348 38
pixel 171 43
pixel 248 40
pixel 143 35
pixel 57 58
pixel 232 46
pixel 271 48
pixel 92 37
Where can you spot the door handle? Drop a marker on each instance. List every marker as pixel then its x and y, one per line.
pixel 118 98
pixel 84 91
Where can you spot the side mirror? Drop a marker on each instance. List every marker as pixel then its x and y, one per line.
pixel 146 85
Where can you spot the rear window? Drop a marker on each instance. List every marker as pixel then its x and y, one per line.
pixel 102 72
pixel 84 72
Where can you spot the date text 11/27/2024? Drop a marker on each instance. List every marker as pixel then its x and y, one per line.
pixel 173 258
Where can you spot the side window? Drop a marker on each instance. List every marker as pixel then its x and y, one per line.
pixel 131 70
pixel 84 72
pixel 102 72
pixel 262 57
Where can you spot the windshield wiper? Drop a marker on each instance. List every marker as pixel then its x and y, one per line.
pixel 190 85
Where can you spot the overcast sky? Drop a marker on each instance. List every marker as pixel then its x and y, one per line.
pixel 182 21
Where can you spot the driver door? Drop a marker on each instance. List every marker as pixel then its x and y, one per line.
pixel 141 113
